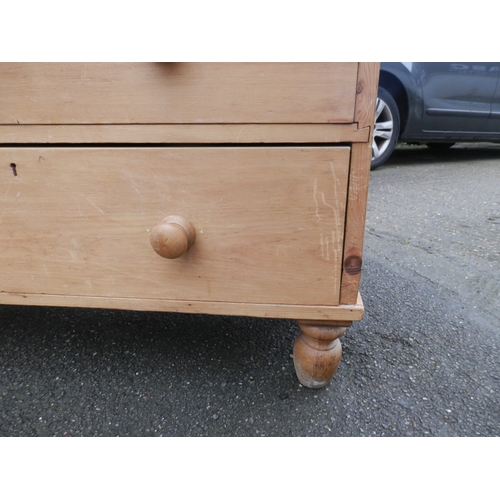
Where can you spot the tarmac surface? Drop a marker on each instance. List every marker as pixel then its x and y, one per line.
pixel 423 362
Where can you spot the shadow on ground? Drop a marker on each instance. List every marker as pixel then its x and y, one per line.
pixel 406 154
pixel 71 372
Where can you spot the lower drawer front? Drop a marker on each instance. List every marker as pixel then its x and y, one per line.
pixel 269 222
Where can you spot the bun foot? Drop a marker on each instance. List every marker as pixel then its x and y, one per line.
pixel 317 351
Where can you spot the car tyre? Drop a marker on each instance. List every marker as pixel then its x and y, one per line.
pixel 386 128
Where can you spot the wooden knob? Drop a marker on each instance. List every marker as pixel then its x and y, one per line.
pixel 172 237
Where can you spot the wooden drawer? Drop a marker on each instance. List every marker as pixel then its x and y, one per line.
pixel 269 223
pixel 177 93
pixel 265 165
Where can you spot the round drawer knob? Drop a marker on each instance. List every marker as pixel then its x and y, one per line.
pixel 172 237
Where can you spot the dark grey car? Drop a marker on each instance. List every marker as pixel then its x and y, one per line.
pixel 437 104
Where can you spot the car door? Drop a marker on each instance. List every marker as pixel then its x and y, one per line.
pixel 457 96
pixel 493 122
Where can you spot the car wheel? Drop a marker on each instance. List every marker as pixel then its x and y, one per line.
pixel 440 146
pixel 386 129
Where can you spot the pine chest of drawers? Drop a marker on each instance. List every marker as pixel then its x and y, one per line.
pixel 234 188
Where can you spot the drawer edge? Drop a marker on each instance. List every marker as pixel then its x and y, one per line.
pixel 246 133
pixel 352 312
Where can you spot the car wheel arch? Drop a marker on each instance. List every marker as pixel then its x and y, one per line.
pixel 386 128
pixel 393 85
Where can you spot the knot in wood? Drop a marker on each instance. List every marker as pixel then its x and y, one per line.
pixel 352 264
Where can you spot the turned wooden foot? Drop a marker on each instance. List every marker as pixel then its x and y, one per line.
pixel 317 351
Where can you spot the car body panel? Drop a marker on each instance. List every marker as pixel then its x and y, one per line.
pixel 457 96
pixel 494 119
pixel 446 102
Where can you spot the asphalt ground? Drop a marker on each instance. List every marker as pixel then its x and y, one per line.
pixel 423 361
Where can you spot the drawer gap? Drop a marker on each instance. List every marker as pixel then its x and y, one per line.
pixel 174 145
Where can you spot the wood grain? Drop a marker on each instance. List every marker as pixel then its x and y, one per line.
pixel 359 176
pixel 366 94
pixel 277 230
pixel 357 197
pixel 184 134
pixel 269 223
pixel 351 312
pixel 176 93
pixel 317 351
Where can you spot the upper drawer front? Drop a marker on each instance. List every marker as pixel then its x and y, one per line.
pixel 269 222
pixel 174 93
